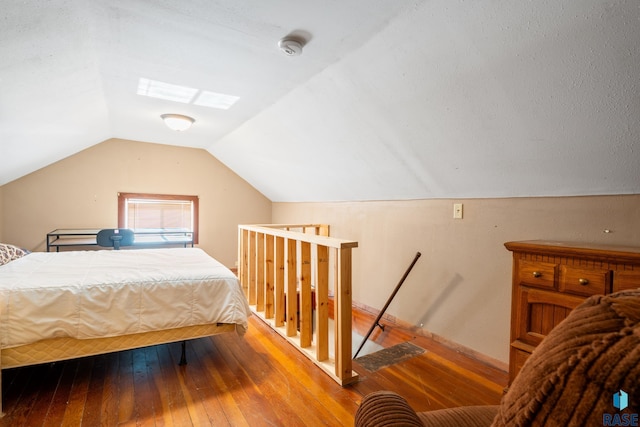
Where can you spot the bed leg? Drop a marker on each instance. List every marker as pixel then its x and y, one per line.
pixel 183 356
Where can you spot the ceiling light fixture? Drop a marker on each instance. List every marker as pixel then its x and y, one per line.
pixel 177 121
pixel 290 46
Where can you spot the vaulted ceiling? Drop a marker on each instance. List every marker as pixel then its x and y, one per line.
pixel 388 100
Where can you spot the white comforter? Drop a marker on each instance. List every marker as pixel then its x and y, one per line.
pixel 90 294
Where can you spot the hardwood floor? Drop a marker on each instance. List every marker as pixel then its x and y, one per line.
pixel 257 380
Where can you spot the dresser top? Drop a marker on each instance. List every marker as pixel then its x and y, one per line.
pixel 588 250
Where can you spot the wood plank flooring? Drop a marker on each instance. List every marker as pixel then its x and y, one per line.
pixel 257 380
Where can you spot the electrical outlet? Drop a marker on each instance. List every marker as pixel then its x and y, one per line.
pixel 457 210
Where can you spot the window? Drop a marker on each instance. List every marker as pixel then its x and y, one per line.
pixel 141 211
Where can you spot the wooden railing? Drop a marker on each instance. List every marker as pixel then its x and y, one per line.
pixel 288 272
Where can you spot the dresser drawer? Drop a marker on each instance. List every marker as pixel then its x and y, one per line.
pixel 538 274
pixel 584 281
pixel 626 279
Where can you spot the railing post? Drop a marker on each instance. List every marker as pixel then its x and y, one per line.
pixel 292 265
pixel 268 276
pixel 279 312
pixel 260 272
pixel 322 303
pixel 243 260
pixel 251 271
pixel 305 311
pixel 343 315
pixel 323 230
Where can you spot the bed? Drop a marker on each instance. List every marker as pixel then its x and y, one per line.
pixel 63 305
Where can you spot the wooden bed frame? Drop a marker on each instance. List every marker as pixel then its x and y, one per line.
pixel 57 349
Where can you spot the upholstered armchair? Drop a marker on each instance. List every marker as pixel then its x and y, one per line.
pixel 570 379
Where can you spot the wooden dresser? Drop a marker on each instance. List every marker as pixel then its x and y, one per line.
pixel 552 278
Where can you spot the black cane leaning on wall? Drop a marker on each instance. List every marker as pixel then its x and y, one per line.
pixel 393 294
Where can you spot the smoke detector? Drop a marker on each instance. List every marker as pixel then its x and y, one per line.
pixel 290 47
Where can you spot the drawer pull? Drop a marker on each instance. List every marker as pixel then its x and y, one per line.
pixel 537 274
pixel 583 282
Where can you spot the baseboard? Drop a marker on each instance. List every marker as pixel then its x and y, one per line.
pixel 360 311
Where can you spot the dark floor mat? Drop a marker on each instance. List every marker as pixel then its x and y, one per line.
pixel 389 356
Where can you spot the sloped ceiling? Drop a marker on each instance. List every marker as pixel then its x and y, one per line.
pixel 389 100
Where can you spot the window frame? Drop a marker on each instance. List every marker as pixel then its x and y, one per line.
pixel 122 198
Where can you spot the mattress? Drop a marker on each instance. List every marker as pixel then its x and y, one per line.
pixel 96 294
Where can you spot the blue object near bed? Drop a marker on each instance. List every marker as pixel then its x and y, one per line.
pixel 115 237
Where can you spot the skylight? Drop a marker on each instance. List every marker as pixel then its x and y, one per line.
pixel 168 91
pixel 215 100
pixel 184 94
